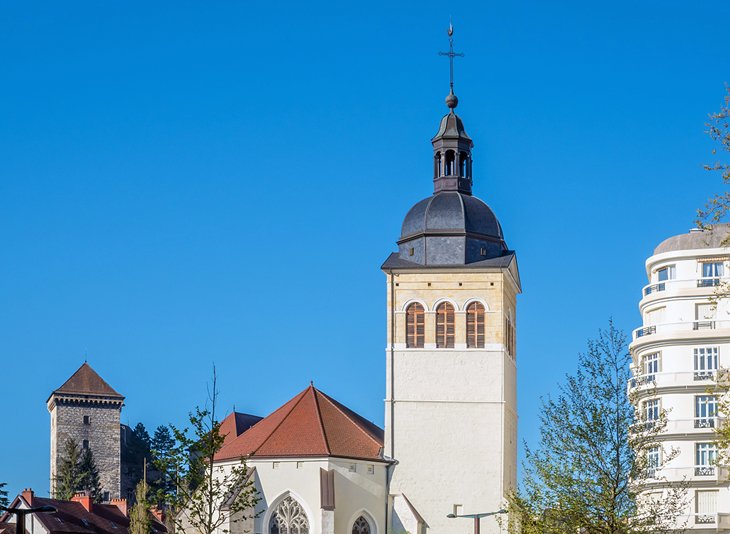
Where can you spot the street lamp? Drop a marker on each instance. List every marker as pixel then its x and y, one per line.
pixel 477 517
pixel 20 514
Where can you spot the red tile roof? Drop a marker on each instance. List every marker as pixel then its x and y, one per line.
pixel 310 424
pixel 72 518
pixel 235 424
pixel 86 381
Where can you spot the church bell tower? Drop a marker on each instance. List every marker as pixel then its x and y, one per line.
pixel 450 407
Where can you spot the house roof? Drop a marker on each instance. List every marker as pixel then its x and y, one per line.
pixel 86 381
pixel 71 517
pixel 235 424
pixel 310 424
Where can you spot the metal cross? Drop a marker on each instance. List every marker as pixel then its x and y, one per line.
pixel 451 54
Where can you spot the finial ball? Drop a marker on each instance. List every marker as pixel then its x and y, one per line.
pixel 452 101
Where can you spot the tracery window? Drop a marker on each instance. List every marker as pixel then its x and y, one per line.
pixel 475 325
pixel 415 326
pixel 445 326
pixel 289 518
pixel 361 526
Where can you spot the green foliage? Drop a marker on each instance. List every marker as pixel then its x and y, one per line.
pixel 590 471
pixel 718 128
pixel 89 476
pixel 162 445
pixel 139 515
pixel 200 488
pixel 69 476
pixel 3 494
pixel 136 451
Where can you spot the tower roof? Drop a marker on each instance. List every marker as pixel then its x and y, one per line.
pixel 237 423
pixel 310 424
pixel 86 381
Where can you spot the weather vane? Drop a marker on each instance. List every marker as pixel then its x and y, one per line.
pixel 451 100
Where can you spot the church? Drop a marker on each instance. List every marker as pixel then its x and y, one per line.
pixel 449 447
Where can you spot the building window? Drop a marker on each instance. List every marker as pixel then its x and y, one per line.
pixel 105 496
pixel 705 458
pixel 85 444
pixel 704 316
pixel 415 326
pixel 289 518
pixel 87 419
pixel 705 507
pixel 475 326
pixel 509 332
pixel 650 366
pixel 666 273
pixel 445 329
pixel 711 274
pixel 371 469
pixel 705 411
pixel 705 362
pixel 361 526
pixel 653 460
pixel 651 412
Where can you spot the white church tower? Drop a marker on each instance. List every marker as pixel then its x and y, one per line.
pixel 450 407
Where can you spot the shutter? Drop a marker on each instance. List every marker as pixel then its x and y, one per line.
pixel 706 502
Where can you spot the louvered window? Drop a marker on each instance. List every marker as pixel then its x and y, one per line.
pixel 445 326
pixel 415 326
pixel 475 326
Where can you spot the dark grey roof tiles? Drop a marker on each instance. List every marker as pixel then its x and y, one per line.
pixel 395 261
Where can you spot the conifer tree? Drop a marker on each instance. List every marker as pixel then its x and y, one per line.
pixel 162 484
pixel 139 515
pixel 69 477
pixel 591 471
pixel 3 494
pixel 89 476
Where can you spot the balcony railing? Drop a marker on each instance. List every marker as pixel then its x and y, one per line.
pixel 660 380
pixel 705 471
pixel 686 283
pixel 684 326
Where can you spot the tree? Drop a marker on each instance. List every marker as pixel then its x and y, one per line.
pixel 162 445
pixel 590 471
pixel 89 476
pixel 136 451
pixel 69 476
pixel 718 128
pixel 200 488
pixel 139 515
pixel 3 494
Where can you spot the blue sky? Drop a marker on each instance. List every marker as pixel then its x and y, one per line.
pixel 183 184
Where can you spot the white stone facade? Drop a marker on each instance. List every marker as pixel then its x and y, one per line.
pixel 683 340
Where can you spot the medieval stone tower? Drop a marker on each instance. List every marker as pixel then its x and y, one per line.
pixel 450 407
pixel 87 409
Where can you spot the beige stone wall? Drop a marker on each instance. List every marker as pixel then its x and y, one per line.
pixel 451 413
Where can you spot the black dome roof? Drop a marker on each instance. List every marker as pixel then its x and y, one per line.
pixel 451 212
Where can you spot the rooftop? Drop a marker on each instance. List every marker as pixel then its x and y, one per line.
pixel 86 381
pixel 695 239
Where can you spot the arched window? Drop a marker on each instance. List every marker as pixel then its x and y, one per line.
pixel 289 518
pixel 415 326
pixel 450 170
pixel 437 165
pixel 445 326
pixel 463 158
pixel 475 326
pixel 361 526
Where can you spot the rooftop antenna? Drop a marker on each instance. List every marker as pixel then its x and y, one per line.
pixel 451 100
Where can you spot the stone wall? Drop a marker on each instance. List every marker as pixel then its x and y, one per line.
pixel 102 434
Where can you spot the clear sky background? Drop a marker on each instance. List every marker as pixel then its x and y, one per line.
pixel 183 183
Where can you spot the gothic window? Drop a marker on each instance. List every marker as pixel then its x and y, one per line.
pixel 415 326
pixel 289 518
pixel 361 526
pixel 445 326
pixel 475 326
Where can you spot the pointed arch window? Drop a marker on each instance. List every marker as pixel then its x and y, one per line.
pixel 361 526
pixel 415 326
pixel 445 326
pixel 475 325
pixel 289 518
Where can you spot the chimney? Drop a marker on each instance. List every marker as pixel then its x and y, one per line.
pixel 159 514
pixel 84 499
pixel 121 504
pixel 28 496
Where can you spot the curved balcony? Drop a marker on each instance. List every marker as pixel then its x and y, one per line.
pixel 654 381
pixel 697 473
pixel 696 328
pixel 687 283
